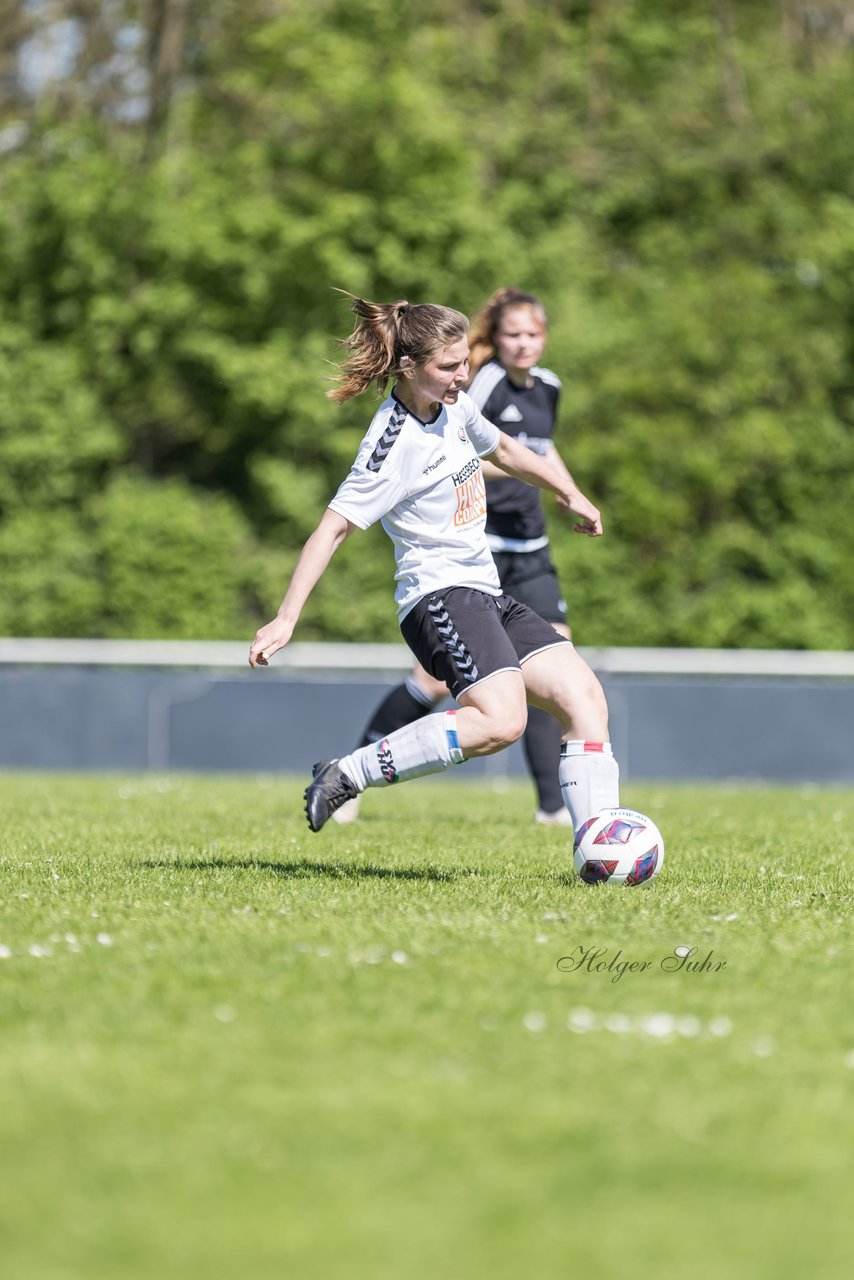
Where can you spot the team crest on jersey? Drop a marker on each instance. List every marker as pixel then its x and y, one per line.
pixel 461 433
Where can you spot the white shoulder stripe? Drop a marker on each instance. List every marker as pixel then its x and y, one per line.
pixel 546 375
pixel 484 382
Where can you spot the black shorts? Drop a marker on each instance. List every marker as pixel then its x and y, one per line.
pixel 462 636
pixel 531 578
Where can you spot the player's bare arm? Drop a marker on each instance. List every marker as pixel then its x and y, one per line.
pixel 314 558
pixel 490 471
pixel 556 461
pixel 515 459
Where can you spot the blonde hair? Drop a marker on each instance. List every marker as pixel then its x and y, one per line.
pixel 388 332
pixel 487 322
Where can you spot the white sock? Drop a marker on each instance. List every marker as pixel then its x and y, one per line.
pixel 589 779
pixel 428 745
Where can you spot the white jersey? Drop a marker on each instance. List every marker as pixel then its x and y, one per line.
pixel 424 481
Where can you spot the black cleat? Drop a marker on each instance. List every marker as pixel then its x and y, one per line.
pixel 330 789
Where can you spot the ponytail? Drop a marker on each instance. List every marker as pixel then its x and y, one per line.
pixel 386 332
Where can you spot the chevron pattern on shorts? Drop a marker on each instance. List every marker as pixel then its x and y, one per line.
pixel 450 638
pixel 386 441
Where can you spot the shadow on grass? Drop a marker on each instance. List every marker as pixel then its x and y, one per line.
pixel 306 868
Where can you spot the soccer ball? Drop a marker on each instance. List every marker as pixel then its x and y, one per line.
pixel 620 846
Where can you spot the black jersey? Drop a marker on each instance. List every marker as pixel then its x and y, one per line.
pixel 515 519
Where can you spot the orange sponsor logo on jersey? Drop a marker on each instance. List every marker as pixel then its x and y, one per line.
pixel 471 500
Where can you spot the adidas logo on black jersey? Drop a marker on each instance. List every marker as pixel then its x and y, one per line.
pixel 510 414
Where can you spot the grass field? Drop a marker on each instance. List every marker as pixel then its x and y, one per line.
pixel 229 1048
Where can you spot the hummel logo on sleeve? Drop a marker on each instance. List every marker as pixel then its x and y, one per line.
pixel 386 441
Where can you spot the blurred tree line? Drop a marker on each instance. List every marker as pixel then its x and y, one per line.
pixel 183 182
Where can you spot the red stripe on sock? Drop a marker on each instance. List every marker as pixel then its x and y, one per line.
pixel 594 746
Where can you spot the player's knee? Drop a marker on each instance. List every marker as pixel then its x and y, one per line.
pixel 512 726
pixel 500 731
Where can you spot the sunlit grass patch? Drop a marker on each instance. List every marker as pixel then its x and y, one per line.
pixel 418 1046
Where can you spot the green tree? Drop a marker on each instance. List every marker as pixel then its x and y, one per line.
pixel 179 200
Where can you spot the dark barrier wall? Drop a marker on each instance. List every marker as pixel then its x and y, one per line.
pixel 662 726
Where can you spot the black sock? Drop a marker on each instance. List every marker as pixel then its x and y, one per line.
pixel 397 709
pixel 542 751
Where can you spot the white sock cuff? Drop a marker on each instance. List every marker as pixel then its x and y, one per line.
pixel 584 747
pixel 456 751
pixel 345 764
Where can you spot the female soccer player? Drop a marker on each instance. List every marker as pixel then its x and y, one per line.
pixel 418 470
pixel 510 388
